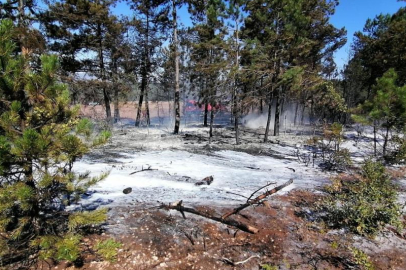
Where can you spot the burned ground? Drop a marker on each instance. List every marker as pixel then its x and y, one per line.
pixel 290 235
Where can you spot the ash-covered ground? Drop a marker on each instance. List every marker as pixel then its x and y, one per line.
pixel 155 167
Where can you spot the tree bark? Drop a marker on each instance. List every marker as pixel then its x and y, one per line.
pixel 106 96
pixel 375 138
pixel 175 48
pixel 144 74
pixel 268 122
pixel 277 113
pixel 385 143
pixel 139 109
pixel 211 122
pixel 116 106
pixel 148 120
pixel 106 99
pixel 206 112
pixel 236 119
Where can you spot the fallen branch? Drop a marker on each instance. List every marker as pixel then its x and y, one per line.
pixel 257 199
pixel 178 206
pixel 231 262
pixel 253 193
pixel 143 170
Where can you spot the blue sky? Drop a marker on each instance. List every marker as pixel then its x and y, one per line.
pixel 351 14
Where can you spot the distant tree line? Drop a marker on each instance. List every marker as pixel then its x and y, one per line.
pixel 261 55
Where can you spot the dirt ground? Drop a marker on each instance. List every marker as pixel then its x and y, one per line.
pixel 156 239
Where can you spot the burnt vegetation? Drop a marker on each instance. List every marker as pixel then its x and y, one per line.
pixel 244 76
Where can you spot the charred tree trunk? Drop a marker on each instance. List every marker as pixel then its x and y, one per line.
pixel 211 122
pixel 206 112
pixel 141 99
pixel 232 116
pixel 236 119
pixel 177 90
pixel 116 92
pixel 106 99
pixel 386 139
pixel 144 74
pixel 148 119
pixel 277 113
pixel 268 122
pixel 102 74
pixel 116 106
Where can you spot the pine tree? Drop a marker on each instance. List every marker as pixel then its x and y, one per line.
pixel 388 106
pixel 40 139
pixel 85 25
pixel 208 51
pixel 149 24
pixel 283 37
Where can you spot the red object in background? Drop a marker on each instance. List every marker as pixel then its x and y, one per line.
pixel 194 106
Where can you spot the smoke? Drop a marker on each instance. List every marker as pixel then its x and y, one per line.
pixel 256 120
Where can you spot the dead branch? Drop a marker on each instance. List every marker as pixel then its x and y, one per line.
pixel 229 192
pixel 143 170
pixel 178 206
pixel 253 193
pixel 231 262
pixel 257 199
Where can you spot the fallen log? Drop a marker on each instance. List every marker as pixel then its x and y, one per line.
pixel 178 206
pixel 257 199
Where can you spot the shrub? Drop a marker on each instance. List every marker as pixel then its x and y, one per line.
pixel 108 249
pixel 41 137
pixel 328 148
pixel 363 202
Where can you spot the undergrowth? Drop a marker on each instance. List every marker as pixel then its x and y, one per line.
pixel 364 202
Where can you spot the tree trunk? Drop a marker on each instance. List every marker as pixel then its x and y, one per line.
pixel 268 122
pixel 236 118
pixel 175 46
pixel 145 73
pixel 375 138
pixel 296 112
pixel 116 107
pixel 235 92
pixel 139 109
pixel 385 143
pixel 303 114
pixel 106 97
pixel 277 113
pixel 232 115
pixel 211 122
pixel 107 104
pixel 148 119
pixel 206 112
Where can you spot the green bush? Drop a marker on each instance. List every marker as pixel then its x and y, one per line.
pixel 41 136
pixel 108 249
pixel 363 202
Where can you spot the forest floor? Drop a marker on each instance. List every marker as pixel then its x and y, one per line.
pixel 162 168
